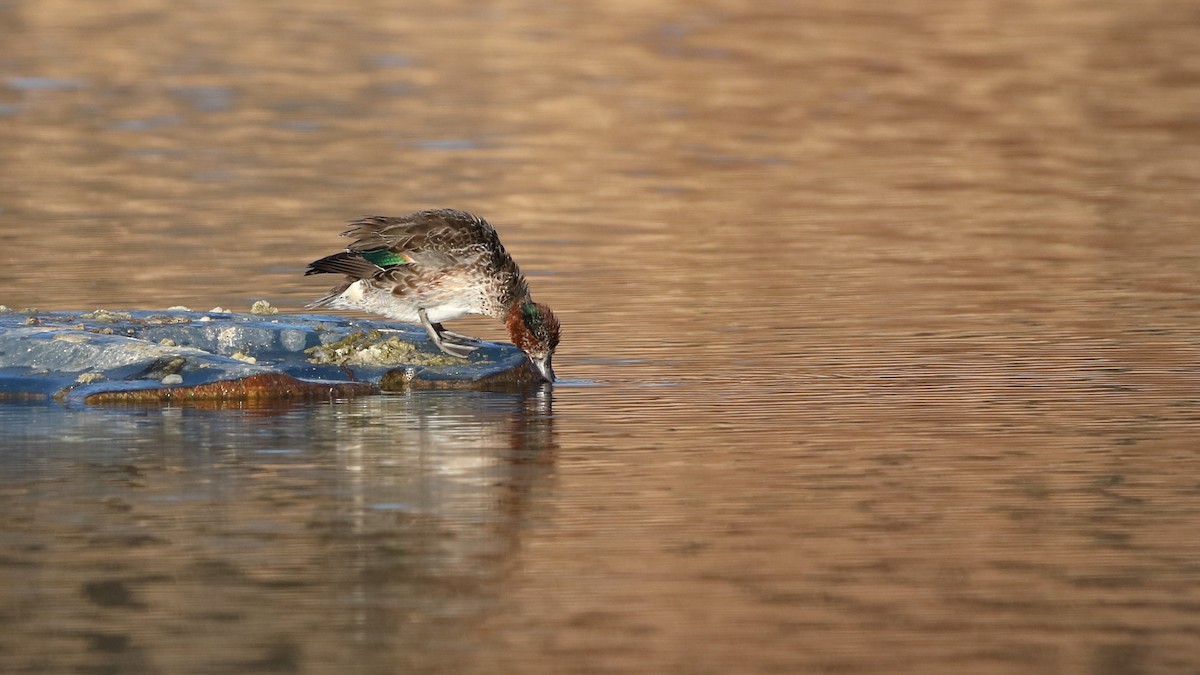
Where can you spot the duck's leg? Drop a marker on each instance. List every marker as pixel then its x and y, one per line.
pixel 456 337
pixel 445 340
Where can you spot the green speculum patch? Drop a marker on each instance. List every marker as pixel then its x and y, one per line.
pixel 385 258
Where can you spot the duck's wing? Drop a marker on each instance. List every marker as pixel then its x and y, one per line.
pixel 402 250
pixel 381 267
pixel 433 238
pixel 354 265
pixel 384 245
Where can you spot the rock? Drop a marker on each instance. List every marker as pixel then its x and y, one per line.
pixel 152 356
pixel 262 307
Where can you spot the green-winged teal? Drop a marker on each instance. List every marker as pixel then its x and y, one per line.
pixel 433 266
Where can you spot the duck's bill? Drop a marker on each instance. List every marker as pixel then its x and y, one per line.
pixel 544 369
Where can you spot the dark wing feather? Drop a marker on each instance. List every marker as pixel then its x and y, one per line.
pixel 350 264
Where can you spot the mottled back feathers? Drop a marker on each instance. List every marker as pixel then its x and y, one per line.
pixel 427 249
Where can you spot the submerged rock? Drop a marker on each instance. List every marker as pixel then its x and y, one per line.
pixel 177 354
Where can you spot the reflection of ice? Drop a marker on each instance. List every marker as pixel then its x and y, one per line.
pixel 448 458
pixel 365 530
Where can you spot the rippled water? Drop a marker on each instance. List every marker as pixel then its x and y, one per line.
pixel 880 353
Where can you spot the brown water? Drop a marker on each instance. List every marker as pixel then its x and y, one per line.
pixel 881 337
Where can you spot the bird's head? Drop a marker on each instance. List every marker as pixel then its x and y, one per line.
pixel 535 329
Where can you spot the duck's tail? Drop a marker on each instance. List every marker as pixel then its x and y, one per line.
pixel 329 297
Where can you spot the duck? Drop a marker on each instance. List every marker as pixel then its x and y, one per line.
pixel 437 265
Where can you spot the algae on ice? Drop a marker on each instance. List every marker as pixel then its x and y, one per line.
pixel 372 349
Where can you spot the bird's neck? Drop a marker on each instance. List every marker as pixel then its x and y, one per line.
pixel 518 332
pixel 510 292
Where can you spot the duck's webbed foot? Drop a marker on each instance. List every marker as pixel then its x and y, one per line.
pixel 450 343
